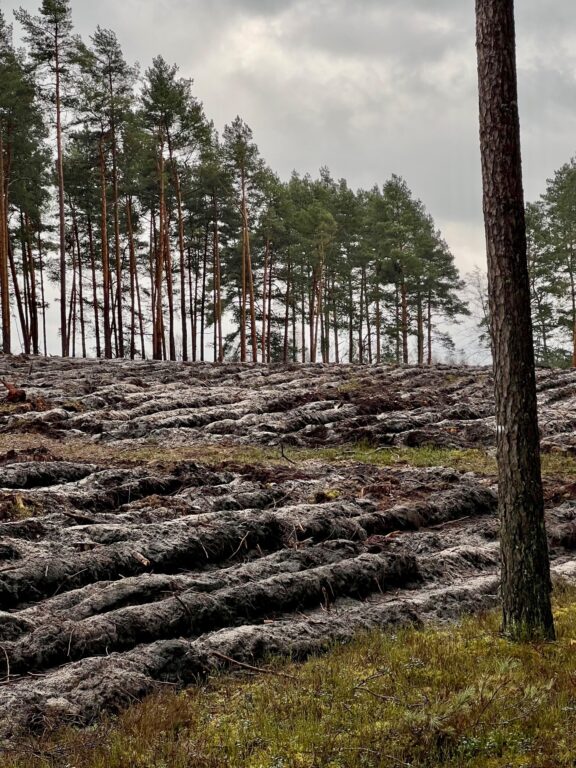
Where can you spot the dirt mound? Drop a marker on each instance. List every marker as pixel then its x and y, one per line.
pixel 117 575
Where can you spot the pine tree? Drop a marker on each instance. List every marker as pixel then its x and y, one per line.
pixel 49 39
pixel 243 159
pixel 526 585
pixel 23 191
pixel 176 118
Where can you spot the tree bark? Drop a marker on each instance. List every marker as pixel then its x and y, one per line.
pixel 219 346
pixel 42 295
pixel 116 215
pixel 420 327
pixel 61 214
pixel 250 279
pixel 181 250
pixel 105 256
pixel 94 288
pixel 80 286
pixel 132 270
pixel 264 297
pixel 269 320
pixel 404 299
pixel 429 328
pixel 4 284
pixel 18 295
pixel 288 300
pixel 526 582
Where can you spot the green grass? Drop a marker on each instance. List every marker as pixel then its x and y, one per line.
pixel 459 696
pixel 465 460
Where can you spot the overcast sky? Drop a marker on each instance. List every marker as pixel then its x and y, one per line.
pixel 366 87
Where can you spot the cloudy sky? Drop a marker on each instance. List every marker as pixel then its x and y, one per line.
pixel 366 87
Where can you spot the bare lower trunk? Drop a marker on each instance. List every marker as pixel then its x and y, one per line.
pixel 526 582
pixel 94 289
pixel 177 190
pixel 132 269
pixel 61 212
pixel 4 278
pixel 105 258
pixel 404 299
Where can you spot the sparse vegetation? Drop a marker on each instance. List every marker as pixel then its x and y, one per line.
pixel 453 696
pixel 465 460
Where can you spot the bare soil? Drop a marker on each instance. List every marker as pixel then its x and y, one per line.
pixel 144 541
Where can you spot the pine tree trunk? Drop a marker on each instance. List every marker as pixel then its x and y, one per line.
pixel 264 289
pixel 105 256
pixel 140 316
pixel 115 204
pixel 113 329
pixel 378 321
pixel 420 328
pixel 157 324
pixel 250 279
pixel 73 301
pixel 368 324
pixel 203 294
pixel 132 270
pixel 152 259
pixel 335 321
pixel 34 324
pixel 169 284
pixel 429 328
pixel 61 213
pixel 17 294
pixel 288 300
pixel 80 287
pixel 42 295
pixel 303 323
pixel 526 582
pixel 25 282
pixel 243 276
pixel 404 299
pixel 398 328
pixel 195 306
pixel 94 289
pixel 178 191
pixel 350 322
pixel 217 281
pixel 269 325
pixel 158 327
pixel 192 298
pixel 361 325
pixel 294 335
pixel 573 300
pixel 312 313
pixel 326 330
pixel 4 277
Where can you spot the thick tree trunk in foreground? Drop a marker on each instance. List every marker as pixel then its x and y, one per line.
pixel 525 565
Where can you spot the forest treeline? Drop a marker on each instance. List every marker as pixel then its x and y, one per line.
pixel 159 237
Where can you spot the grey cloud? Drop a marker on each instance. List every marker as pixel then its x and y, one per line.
pixel 367 87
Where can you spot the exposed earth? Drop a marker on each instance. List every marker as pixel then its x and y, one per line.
pixel 159 520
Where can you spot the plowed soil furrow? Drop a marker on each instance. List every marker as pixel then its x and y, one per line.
pixel 161 520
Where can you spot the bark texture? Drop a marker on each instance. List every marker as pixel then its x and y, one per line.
pixel 526 582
